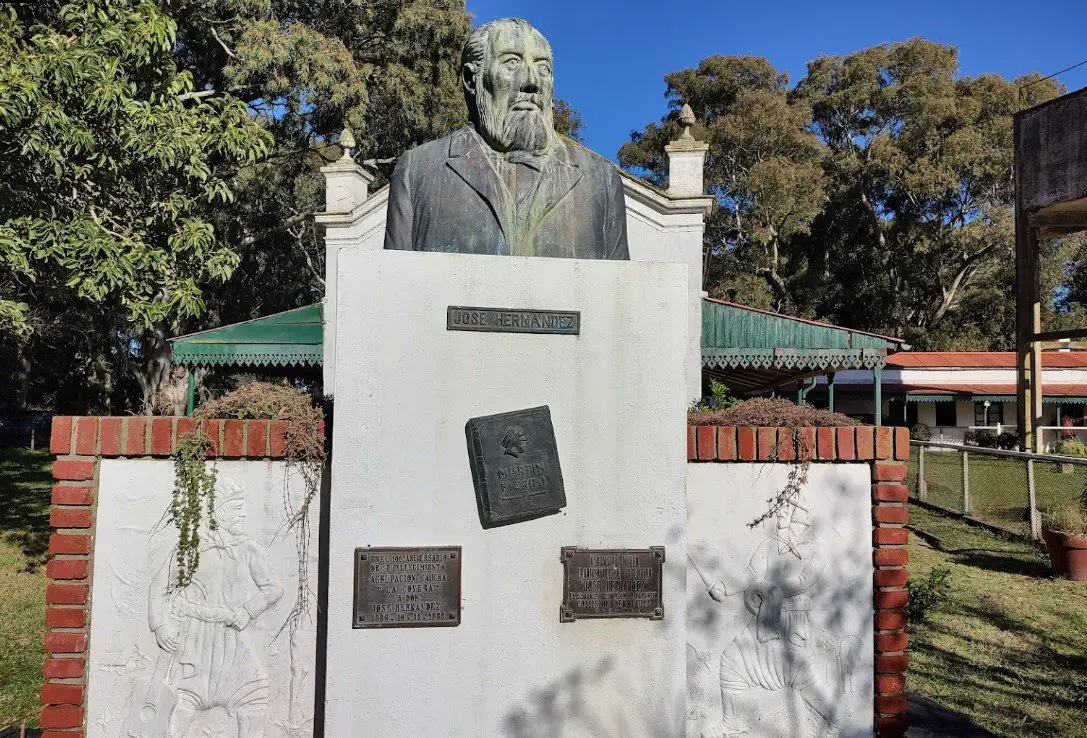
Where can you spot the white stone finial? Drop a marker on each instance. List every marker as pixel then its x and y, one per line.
pixel 347 184
pixel 686 159
pixel 686 119
pixel 347 142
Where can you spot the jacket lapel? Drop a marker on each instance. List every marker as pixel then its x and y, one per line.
pixel 559 175
pixel 467 159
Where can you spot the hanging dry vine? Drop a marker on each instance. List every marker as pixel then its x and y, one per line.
pixel 193 496
pixel 304 453
pixel 789 495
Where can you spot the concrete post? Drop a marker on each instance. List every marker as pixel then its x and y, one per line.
pixel 922 483
pixel 1032 501
pixel 967 501
pixel 347 185
pixel 686 160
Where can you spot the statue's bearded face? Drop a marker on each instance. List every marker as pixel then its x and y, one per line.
pixel 513 91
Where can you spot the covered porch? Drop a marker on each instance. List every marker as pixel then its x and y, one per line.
pixel 288 344
pixel 756 352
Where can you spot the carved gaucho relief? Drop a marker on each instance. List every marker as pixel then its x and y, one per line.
pixel 775 636
pixel 210 658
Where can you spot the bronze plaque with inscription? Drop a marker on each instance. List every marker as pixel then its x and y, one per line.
pixel 612 583
pixel 513 320
pixel 407 587
pixel 515 466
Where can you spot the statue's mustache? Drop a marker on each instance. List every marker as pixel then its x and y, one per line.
pixel 522 98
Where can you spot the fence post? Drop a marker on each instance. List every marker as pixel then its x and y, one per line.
pixel 967 503
pixel 922 483
pixel 1032 500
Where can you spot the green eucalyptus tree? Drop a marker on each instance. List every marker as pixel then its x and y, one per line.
pixel 876 192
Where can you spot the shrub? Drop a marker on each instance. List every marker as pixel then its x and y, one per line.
pixel 928 595
pixel 985 439
pixel 1071 447
pixel 920 432
pixel 1070 518
pixel 1007 441
pixel 720 398
pixel 767 412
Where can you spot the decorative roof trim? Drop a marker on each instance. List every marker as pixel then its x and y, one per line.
pixel 793 359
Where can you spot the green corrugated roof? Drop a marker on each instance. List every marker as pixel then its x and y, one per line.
pixel 728 325
pixel 291 338
pixel 753 350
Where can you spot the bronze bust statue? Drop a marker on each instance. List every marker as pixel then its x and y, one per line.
pixel 507 183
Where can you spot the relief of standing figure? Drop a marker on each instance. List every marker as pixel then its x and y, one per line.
pixel 772 652
pixel 207 659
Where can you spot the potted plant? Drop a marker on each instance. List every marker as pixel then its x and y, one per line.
pixel 1064 530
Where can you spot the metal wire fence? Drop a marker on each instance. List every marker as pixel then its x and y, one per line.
pixel 1006 489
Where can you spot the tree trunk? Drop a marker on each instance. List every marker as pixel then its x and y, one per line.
pixel 153 373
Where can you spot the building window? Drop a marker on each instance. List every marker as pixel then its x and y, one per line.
pixel 901 412
pixel 995 416
pixel 945 414
pixel 1075 412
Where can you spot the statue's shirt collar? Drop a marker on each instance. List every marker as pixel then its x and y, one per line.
pixel 469 138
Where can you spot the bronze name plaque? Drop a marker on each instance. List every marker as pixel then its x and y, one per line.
pixel 407 587
pixel 611 583
pixel 511 320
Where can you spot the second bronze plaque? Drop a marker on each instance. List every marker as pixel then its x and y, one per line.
pixel 612 583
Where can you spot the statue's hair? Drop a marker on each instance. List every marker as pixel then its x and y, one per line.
pixel 478 45
pixel 513 435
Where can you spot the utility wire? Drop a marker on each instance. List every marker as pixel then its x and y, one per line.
pixel 1051 76
pixel 1056 74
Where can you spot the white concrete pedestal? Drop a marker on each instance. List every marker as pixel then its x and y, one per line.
pixel 401 477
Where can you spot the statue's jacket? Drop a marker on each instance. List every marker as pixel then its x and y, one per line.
pixel 446 196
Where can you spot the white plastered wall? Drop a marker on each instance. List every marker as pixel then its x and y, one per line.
pixel 401 477
pixel 134 541
pixel 790 641
pixel 659 228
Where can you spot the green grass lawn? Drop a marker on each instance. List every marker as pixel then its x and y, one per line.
pixel 1009 650
pixel 998 486
pixel 24 538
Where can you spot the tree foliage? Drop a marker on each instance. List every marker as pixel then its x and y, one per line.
pixel 111 167
pixel 875 193
pixel 158 148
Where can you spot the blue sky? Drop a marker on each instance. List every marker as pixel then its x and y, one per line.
pixel 611 55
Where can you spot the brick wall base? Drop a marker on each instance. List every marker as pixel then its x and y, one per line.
pixel 80 444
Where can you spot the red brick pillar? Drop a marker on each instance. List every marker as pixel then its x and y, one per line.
pixel 890 557
pixel 75 441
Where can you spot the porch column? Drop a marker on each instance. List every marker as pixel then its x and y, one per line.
pixel 190 399
pixel 830 391
pixel 877 392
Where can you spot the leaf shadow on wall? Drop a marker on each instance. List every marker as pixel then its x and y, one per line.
pixel 779 653
pixel 610 697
